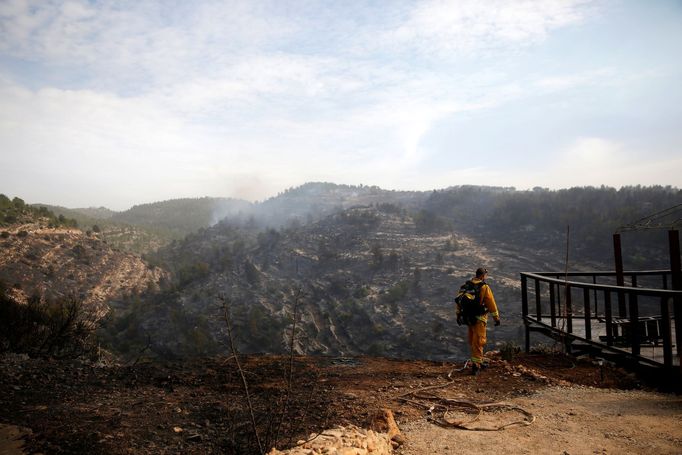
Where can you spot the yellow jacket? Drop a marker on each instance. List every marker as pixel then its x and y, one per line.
pixel 488 301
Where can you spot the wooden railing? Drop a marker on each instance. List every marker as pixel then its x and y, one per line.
pixel 642 315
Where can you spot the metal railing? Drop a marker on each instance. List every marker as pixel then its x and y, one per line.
pixel 643 315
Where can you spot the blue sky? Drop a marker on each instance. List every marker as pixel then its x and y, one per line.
pixel 117 103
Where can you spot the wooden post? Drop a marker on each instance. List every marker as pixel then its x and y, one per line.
pixel 637 333
pixel 552 304
pixel 666 333
pixel 524 309
pixel 620 279
pixel 588 318
pixel 596 309
pixel 635 336
pixel 538 302
pixel 608 316
pixel 676 273
pixel 569 309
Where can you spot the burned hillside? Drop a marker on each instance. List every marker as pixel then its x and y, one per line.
pixel 372 281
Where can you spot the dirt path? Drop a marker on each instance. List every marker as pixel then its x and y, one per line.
pixel 569 420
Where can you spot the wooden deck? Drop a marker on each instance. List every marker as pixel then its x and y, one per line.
pixel 633 326
pixel 651 349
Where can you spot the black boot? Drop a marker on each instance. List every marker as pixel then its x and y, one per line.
pixel 475 369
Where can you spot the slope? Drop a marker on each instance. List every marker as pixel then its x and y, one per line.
pixel 371 282
pixel 55 262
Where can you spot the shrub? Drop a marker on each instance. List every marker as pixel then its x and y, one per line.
pixel 62 328
pixel 396 293
pixel 508 350
pixel 192 272
pixel 251 272
pixel 361 292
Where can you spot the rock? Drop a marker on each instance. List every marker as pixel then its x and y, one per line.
pixel 400 439
pixel 349 440
pixel 385 422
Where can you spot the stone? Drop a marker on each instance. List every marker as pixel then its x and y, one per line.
pixel 349 440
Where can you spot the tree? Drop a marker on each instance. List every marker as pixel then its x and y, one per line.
pixel 377 256
pixel 4 202
pixel 18 203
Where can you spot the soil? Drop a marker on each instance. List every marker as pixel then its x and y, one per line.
pixel 569 420
pixel 198 406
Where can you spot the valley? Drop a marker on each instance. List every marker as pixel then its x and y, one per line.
pixel 362 270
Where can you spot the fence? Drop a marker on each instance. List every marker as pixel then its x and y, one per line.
pixel 635 322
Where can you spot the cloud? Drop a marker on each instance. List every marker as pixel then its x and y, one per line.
pixel 68 140
pixel 598 76
pixel 141 101
pixel 139 43
pixel 441 27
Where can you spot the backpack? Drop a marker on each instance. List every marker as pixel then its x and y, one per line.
pixel 469 301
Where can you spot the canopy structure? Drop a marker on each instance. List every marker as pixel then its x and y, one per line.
pixel 670 218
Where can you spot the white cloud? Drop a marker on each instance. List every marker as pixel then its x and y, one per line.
pixel 601 76
pixel 442 27
pixel 142 43
pixel 240 98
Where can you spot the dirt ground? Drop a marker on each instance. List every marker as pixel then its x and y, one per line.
pixel 198 406
pixel 569 420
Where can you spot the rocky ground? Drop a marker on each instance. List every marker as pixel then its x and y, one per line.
pixel 198 406
pixel 60 262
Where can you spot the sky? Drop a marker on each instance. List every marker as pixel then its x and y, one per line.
pixel 116 103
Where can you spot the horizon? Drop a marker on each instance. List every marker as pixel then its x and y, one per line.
pixel 281 192
pixel 106 102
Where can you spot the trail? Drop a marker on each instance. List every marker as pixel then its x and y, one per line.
pixel 569 420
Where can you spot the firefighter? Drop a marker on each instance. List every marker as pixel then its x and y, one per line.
pixel 477 325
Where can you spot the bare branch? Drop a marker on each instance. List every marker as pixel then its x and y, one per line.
pixel 143 350
pixel 298 294
pixel 235 354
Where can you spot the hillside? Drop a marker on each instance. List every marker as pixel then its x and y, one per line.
pixel 85 216
pixel 315 200
pixel 371 283
pixel 377 268
pixel 180 217
pixel 540 218
pixel 56 262
pixel 492 215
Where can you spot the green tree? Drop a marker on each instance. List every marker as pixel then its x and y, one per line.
pixel 18 203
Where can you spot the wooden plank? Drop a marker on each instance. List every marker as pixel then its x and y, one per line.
pixel 569 309
pixel 588 322
pixel 552 304
pixel 635 336
pixel 620 279
pixel 524 309
pixel 538 303
pixel 609 318
pixel 676 278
